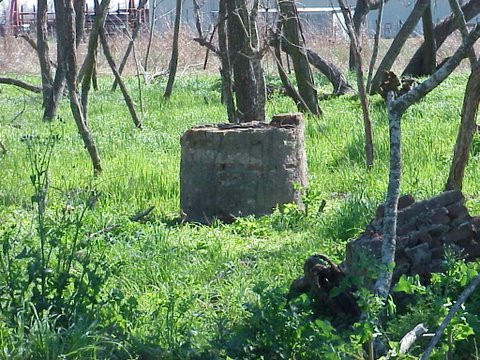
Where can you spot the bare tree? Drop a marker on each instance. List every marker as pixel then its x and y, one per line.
pixel 465 132
pixel 296 44
pixel 89 63
pixel 172 67
pixel 398 42
pixel 442 30
pixel 245 59
pixel 66 39
pixel 396 109
pixel 360 82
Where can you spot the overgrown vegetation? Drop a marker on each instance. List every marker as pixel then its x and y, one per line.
pixel 163 289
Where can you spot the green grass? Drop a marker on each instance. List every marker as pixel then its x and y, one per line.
pixel 184 287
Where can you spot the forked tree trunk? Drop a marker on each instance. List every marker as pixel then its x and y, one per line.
pixel 442 31
pixel 66 39
pixel 398 42
pixel 301 66
pixel 89 63
pixel 225 67
pixel 42 49
pixel 172 67
pixel 430 60
pixel 465 132
pixel 56 93
pixel 246 67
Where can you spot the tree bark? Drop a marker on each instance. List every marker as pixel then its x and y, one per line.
pixel 301 66
pixel 360 83
pixel 225 67
pixel 123 88
pixel 359 17
pixel 376 41
pixel 42 49
pixel 66 39
pixel 465 132
pixel 150 35
pixel 20 84
pixel 462 25
pixel 398 42
pixel 247 72
pixel 172 67
pixel 89 62
pixel 442 31
pixel 430 60
pixel 135 33
pixel 384 280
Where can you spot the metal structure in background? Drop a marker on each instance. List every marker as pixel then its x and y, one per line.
pixel 18 19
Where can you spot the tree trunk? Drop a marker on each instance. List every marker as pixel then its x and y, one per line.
pixel 123 88
pixel 89 62
pixel 241 39
pixel 42 49
pixel 66 40
pixel 225 67
pixel 430 60
pixel 135 33
pixel 301 66
pixel 359 17
pixel 465 132
pixel 172 67
pixel 398 42
pixel 150 35
pixel 376 41
pixel 56 93
pixel 442 30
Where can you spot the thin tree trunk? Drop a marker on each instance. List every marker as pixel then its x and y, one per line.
pixel 150 35
pixel 384 281
pixel 430 60
pixel 301 66
pixel 79 6
pixel 66 40
pixel 376 42
pixel 465 132
pixel 172 67
pixel 225 67
pixel 360 83
pixel 89 63
pixel 123 88
pixel 42 49
pixel 135 33
pixel 442 31
pixel 462 26
pixel 398 42
pixel 359 17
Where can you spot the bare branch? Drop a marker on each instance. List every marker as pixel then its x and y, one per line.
pixel 409 339
pixel 20 84
pixel 462 26
pixel 453 310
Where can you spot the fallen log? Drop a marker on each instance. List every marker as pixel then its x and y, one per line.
pixel 426 231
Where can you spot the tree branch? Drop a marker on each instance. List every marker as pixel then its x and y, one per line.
pixel 20 84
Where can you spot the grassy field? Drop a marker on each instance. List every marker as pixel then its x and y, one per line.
pixel 186 291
